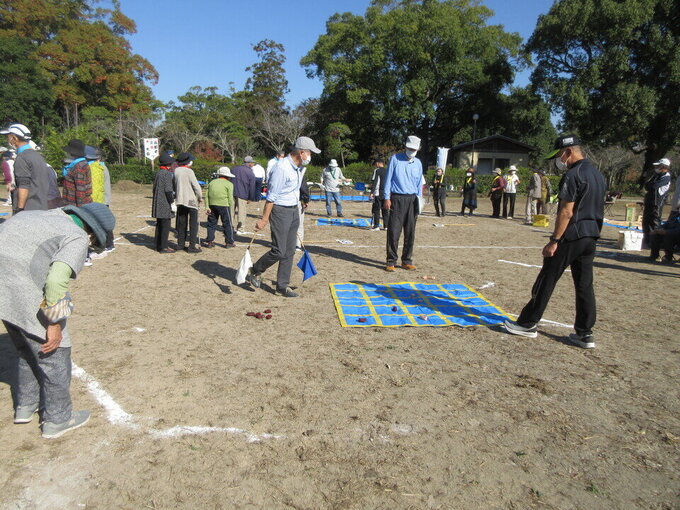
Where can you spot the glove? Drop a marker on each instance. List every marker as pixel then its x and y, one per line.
pixel 173 207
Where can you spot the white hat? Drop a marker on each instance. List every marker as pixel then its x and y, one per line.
pixel 306 144
pixel 18 130
pixel 498 171
pixel 513 168
pixel 663 162
pixel 333 163
pixel 412 142
pixel 225 172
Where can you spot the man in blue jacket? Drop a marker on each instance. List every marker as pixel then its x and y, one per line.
pixel 244 190
pixel 668 237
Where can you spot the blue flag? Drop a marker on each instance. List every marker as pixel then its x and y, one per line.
pixel 307 266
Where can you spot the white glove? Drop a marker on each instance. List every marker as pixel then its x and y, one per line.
pixel 173 207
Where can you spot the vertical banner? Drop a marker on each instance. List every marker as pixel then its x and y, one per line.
pixel 151 148
pixel 442 155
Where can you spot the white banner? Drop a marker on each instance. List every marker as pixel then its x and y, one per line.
pixel 151 147
pixel 442 155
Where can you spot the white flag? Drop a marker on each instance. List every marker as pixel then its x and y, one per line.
pixel 246 264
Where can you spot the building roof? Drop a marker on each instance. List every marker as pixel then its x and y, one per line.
pixel 480 141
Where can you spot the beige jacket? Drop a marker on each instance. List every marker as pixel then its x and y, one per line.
pixel 187 190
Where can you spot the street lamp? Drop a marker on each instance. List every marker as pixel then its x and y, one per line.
pixel 475 118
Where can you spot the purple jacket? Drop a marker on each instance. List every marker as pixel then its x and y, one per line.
pixel 244 182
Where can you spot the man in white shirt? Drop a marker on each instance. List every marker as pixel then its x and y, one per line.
pixel 281 210
pixel 259 173
pixel 270 164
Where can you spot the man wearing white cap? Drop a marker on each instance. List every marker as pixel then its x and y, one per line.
pixel 281 210
pixel 31 175
pixel 402 191
pixel 218 203
pixel 510 192
pixel 331 177
pixel 657 188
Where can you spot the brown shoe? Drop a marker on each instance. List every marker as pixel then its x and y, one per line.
pixel 408 267
pixel 167 250
pixel 390 269
pixel 208 244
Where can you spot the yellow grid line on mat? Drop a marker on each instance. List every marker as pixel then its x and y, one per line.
pixel 443 317
pixel 405 309
pixel 371 306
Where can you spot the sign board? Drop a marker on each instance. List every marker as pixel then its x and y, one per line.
pixel 442 155
pixel 151 147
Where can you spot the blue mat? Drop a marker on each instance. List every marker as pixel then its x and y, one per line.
pixel 621 227
pixel 4 213
pixel 345 222
pixel 413 304
pixel 351 198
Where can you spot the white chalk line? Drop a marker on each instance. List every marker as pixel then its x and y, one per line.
pixel 435 247
pixel 526 265
pixel 139 230
pixel 560 324
pixel 486 285
pixel 116 415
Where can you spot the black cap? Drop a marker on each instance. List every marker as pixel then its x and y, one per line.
pixel 563 142
pixel 184 158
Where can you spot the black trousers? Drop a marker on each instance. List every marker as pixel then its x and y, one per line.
pixel 403 215
pixel 496 199
pixel 224 213
pixel 162 232
pixel 578 255
pixel 186 215
pixel 651 219
pixel 509 199
pixel 377 210
pixel 439 197
pixel 667 241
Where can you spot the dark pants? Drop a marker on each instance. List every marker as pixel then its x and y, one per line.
pixel 651 219
pixel 186 215
pixel 509 199
pixel 45 377
pixel 162 232
pixel 224 213
pixel 496 199
pixel 439 197
pixel 258 190
pixel 403 215
pixel 578 255
pixel 284 222
pixel 377 209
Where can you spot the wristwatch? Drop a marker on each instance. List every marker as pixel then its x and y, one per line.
pixel 553 239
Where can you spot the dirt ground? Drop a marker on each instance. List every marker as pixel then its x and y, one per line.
pixel 298 412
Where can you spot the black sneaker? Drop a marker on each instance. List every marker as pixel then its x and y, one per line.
pixel 515 329
pixel 287 292
pixel 254 279
pixel 341 215
pixel 583 341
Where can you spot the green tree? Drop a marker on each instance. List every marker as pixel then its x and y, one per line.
pixel 611 68
pixel 26 96
pixel 338 142
pixel 411 67
pixel 268 85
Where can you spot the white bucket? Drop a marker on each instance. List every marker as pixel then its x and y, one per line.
pixel 629 240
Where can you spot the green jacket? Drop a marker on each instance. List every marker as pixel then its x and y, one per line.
pixel 220 193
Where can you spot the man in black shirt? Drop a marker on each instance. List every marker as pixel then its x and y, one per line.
pixel 377 189
pixel 577 228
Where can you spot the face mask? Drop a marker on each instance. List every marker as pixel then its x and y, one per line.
pixel 658 170
pixel 411 153
pixel 307 160
pixel 560 165
pixel 468 174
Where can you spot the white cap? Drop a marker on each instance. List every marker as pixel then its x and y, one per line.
pixel 412 142
pixel 225 172
pixel 17 129
pixel 663 162
pixel 513 168
pixel 333 163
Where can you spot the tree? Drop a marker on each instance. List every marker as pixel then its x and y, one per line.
pixel 611 68
pixel 338 143
pixel 268 84
pixel 411 67
pixel 26 96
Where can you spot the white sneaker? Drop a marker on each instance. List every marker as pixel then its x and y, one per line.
pixel 88 262
pixel 376 229
pixel 97 256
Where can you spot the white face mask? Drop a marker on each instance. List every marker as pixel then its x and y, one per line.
pixel 306 160
pixel 560 165
pixel 468 174
pixel 411 153
pixel 659 170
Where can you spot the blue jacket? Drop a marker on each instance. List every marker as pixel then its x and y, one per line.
pixel 244 182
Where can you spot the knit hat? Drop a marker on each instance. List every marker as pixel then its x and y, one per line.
pixel 97 216
pixel 75 148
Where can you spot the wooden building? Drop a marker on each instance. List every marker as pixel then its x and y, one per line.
pixel 496 151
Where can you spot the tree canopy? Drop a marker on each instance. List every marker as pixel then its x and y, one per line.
pixel 611 68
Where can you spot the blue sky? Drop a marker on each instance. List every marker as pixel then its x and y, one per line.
pixel 209 42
